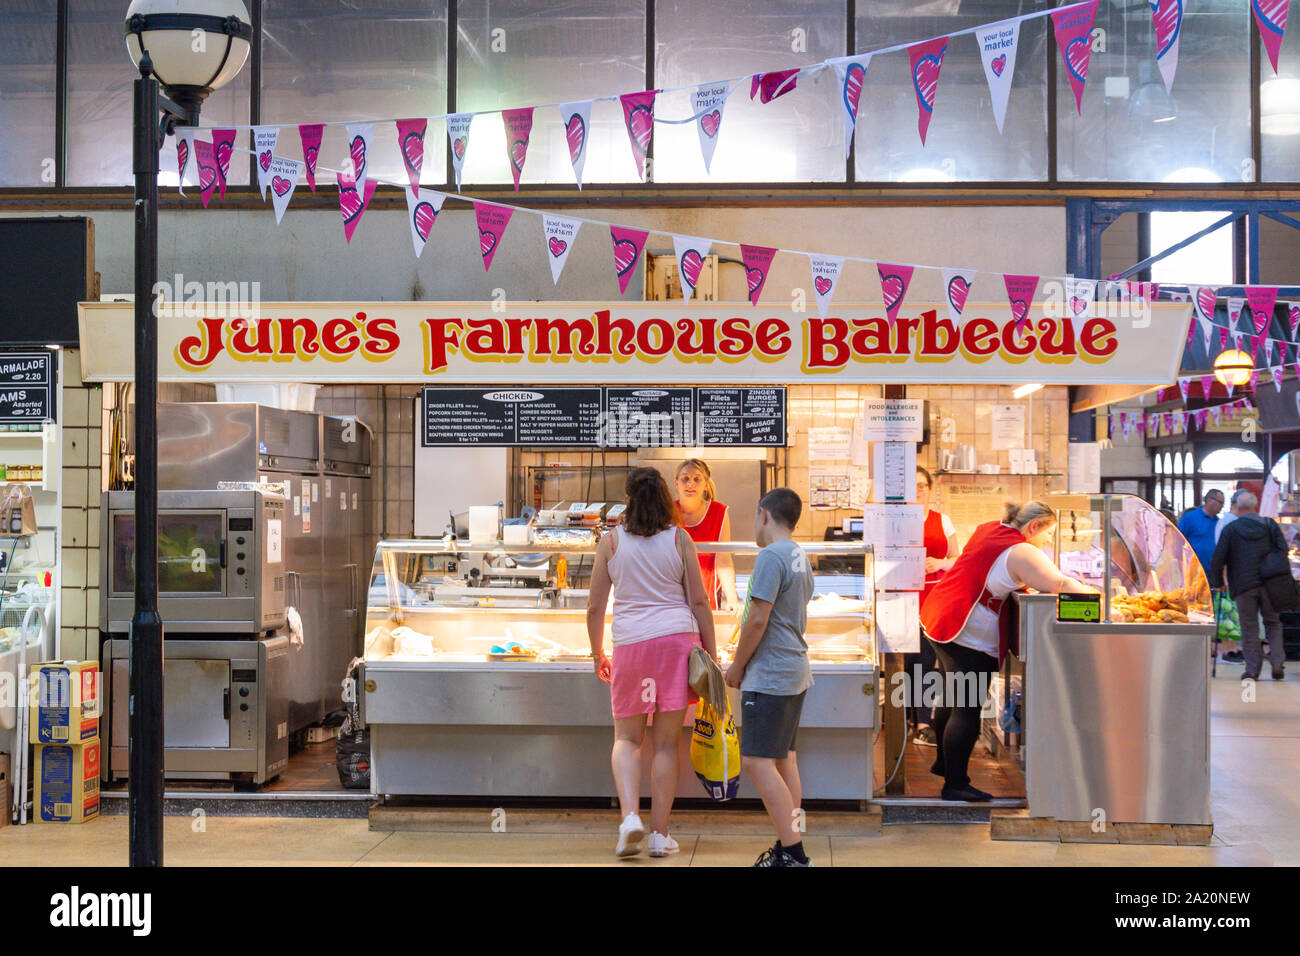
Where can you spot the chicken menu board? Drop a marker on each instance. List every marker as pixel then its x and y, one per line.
pixel 622 417
pixel 26 387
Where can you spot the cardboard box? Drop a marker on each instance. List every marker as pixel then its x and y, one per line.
pixel 67 782
pixel 64 705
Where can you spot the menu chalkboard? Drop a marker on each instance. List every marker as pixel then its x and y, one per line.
pixel 649 417
pixel 26 387
pixel 511 416
pixel 741 416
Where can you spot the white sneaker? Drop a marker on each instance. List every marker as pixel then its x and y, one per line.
pixel 630 834
pixel 661 844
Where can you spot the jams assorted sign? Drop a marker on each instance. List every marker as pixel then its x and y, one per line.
pixel 668 343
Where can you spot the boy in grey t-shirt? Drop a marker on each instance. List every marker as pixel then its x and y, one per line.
pixel 771 669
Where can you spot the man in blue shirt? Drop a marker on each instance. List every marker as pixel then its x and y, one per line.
pixel 1198 525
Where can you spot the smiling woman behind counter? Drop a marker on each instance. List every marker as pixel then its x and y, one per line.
pixel 706 519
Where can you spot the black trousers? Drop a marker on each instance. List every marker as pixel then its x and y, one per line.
pixel 966 676
pixel 915 667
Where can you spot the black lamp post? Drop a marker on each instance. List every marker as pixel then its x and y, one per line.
pixel 191 47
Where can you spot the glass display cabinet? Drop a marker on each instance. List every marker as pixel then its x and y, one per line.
pixel 479 678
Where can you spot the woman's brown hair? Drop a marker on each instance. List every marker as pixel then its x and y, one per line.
pixel 650 507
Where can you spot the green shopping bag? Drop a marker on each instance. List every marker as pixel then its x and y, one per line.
pixel 1225 612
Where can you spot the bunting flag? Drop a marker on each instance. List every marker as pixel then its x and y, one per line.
pixel 628 244
pixel 1235 305
pixel 1207 385
pixel 360 136
pixel 559 234
pixel 1146 291
pixel 264 140
pixel 1201 415
pixel 186 164
pixel 311 134
pixel 1167 16
pixel 1262 298
pixel 519 126
pixel 956 291
pixel 639 118
pixel 707 103
pixel 770 86
pixel 205 164
pixel 1223 338
pixel 576 119
pixel 1277 372
pixel 1204 299
pixel 282 177
pixel 1185 386
pixel 1255 342
pixel 410 142
pixel 1020 293
pixel 1254 379
pixel 690 254
pixel 223 147
pixel 927 60
pixel 1215 411
pixel 1079 297
pixel 1207 329
pixel 825 276
pixel 1270 15
pixel 422 208
pixel 1293 312
pixel 851 71
pixel 757 260
pixel 1074 39
pixel 458 125
pixel 894 281
pixel 353 202
pixel 997 44
pixel 492 221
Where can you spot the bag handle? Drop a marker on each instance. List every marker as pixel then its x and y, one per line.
pixel 679 535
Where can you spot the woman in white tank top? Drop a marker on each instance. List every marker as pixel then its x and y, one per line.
pixel 661 612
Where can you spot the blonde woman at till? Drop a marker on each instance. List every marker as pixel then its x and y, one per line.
pixel 706 519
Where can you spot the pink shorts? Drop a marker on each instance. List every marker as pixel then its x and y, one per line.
pixel 650 676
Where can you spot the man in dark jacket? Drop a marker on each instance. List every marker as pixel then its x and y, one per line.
pixel 1241 550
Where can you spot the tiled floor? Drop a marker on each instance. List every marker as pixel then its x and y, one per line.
pixel 1256 761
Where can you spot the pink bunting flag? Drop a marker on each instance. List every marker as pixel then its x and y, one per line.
pixel 518 124
pixel 311 134
pixel 206 163
pixel 1293 313
pixel 1262 298
pixel 1074 38
pixel 1201 415
pixel 639 118
pixel 1255 342
pixel 410 141
pixel 770 86
pixel 1207 385
pixel 894 281
pixel 956 291
pixel 1270 15
pixel 223 148
pixel 1146 291
pixel 1223 338
pixel 353 202
pixel 927 60
pixel 757 260
pixel 1020 293
pixel 1185 386
pixel 1254 379
pixel 628 244
pixel 492 221
pixel 1167 18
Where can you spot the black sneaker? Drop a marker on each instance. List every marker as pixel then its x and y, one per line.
pixel 1234 657
pixel 968 794
pixel 775 855
pixel 925 737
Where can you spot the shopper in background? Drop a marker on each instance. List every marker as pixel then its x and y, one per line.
pixel 941 550
pixel 1228 517
pixel 772 671
pixel 1241 552
pixel 968 619
pixel 660 613
pixel 706 519
pixel 1197 526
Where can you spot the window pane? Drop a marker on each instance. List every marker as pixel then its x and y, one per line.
pixel 533 52
pixel 27 51
pixel 330 60
pixel 798 137
pixel 100 76
pixel 1279 106
pixel 962 142
pixel 1131 129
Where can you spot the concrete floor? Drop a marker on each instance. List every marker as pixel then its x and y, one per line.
pixel 1256 780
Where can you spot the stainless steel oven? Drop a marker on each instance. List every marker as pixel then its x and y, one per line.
pixel 221 562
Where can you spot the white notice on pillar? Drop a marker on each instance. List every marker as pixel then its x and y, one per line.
pixel 898 621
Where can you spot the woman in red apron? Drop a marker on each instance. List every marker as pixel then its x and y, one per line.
pixel 941 550
pixel 967 619
pixel 705 519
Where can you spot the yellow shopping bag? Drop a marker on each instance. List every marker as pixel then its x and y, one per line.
pixel 715 752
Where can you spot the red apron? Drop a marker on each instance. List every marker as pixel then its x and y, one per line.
pixel 708 530
pixel 952 600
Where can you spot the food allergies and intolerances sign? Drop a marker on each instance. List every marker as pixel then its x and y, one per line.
pixel 893 419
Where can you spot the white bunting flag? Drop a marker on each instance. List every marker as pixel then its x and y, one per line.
pixel 1277 372
pixel 264 140
pixel 690 254
pixel 1079 297
pixel 458 135
pixel 825 276
pixel 422 210
pixel 707 104
pixel 576 120
pixel 360 138
pixel 1235 305
pixel 956 290
pixel 851 70
pixel 282 178
pixel 559 233
pixel 997 45
pixel 1185 386
pixel 187 163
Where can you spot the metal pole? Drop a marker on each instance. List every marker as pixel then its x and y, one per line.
pixel 146 681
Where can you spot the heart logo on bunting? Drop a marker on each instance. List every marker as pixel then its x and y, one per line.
pixel 283 177
pixel 640 123
pixel 690 253
pixel 359 137
pixel 822 285
pixel 423 219
pixel 710 122
pixel 410 137
pixel 280 185
pixel 691 265
pixel 264 160
pixel 999 64
pixel 575 132
pixel 757 260
pixel 559 233
pixel 487 241
pixel 625 256
pixel 557 246
pixel 458 146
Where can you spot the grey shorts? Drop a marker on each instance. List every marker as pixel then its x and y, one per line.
pixel 769 724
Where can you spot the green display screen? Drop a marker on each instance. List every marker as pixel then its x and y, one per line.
pixel 1081 608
